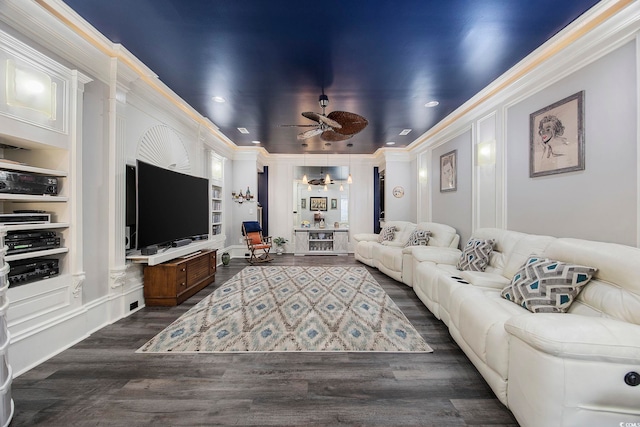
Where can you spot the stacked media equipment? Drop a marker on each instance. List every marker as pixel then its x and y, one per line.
pixel 172 208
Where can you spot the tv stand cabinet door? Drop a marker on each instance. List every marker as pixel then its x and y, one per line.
pixel 172 282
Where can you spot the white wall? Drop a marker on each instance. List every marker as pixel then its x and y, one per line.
pixel 398 173
pixel 454 208
pixel 600 202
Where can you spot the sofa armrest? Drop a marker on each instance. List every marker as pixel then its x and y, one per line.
pixel 578 337
pixel 438 255
pixel 365 237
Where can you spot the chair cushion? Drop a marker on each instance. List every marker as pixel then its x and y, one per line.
pixel 250 226
pixel 475 255
pixel 544 285
pixel 254 238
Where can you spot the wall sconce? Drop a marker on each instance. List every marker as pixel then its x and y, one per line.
pixel 486 153
pixel 422 174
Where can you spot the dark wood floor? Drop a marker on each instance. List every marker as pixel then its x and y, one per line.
pixel 103 382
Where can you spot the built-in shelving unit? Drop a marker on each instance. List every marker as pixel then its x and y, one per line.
pixel 40 135
pixel 216 210
pixel 55 205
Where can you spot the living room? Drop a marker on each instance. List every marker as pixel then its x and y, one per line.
pixel 116 111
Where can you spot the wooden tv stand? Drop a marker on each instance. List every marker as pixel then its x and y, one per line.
pixel 172 282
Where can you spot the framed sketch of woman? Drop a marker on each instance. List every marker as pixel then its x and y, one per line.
pixel 556 137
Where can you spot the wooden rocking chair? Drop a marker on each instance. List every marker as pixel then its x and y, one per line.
pixel 258 245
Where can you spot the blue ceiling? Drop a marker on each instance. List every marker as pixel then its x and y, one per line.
pixel 382 59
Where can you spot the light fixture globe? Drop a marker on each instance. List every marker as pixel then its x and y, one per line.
pixel 323 100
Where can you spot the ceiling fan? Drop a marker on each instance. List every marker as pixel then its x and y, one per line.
pixel 336 126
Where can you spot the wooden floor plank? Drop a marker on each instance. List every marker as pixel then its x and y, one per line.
pixel 102 381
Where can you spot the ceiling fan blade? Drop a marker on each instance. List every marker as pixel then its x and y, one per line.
pixel 321 119
pixel 310 133
pixel 312 116
pixel 333 136
pixel 330 122
pixel 352 123
pixel 297 126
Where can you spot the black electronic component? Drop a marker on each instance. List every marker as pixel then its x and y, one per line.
pixel 25 271
pixel 27 183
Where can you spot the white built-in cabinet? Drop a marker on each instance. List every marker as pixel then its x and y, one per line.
pixel 40 133
pixel 321 241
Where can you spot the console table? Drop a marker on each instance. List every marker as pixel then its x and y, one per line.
pixel 321 241
pixel 172 282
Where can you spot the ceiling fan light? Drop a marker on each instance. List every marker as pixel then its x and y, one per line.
pixel 309 187
pixel 327 179
pixel 341 187
pixel 323 100
pixel 349 180
pixel 304 179
pixel 325 188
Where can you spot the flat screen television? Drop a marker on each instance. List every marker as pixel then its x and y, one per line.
pixel 171 206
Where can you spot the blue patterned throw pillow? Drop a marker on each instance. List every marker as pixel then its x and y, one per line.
pixel 475 255
pixel 544 285
pixel 387 233
pixel 418 238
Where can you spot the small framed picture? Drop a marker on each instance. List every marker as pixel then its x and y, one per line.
pixel 303 203
pixel 334 203
pixel 318 203
pixel 556 137
pixel 449 171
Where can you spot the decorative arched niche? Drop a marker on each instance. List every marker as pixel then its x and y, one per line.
pixel 161 146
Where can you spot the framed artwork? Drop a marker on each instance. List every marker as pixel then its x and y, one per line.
pixel 556 137
pixel 318 203
pixel 334 203
pixel 303 203
pixel 449 171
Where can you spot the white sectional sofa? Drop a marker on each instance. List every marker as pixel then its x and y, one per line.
pixel 579 368
pixel 393 257
pixel 551 369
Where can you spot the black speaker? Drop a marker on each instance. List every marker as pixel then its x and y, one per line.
pixel 149 250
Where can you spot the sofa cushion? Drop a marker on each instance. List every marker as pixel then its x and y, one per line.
pixel 544 285
pixel 418 237
pixel 614 291
pixel 528 245
pixel 442 235
pixel 387 233
pixel 475 255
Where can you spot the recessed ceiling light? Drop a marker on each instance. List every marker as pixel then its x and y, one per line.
pixel 218 99
pixel 255 142
pixel 405 132
pixel 243 130
pixel 391 143
pixel 432 104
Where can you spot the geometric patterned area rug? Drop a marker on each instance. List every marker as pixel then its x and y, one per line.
pixel 292 309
